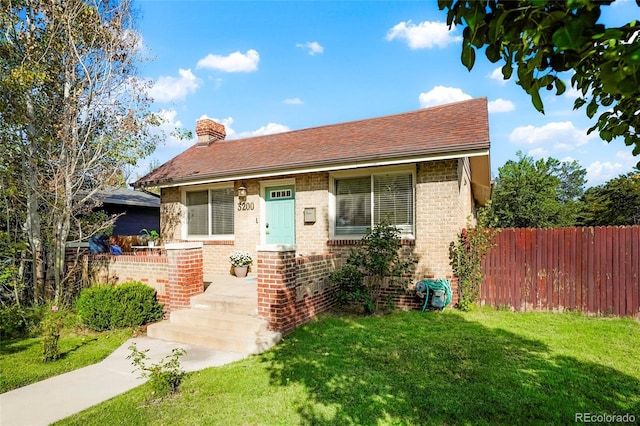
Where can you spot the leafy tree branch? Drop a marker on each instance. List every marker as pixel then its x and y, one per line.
pixel 542 39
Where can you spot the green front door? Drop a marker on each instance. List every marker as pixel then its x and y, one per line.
pixel 281 224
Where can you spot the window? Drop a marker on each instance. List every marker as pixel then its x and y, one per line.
pixel 210 212
pixel 361 202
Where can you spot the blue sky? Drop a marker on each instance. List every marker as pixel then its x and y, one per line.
pixel 265 67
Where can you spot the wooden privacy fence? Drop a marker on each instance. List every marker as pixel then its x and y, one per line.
pixel 593 270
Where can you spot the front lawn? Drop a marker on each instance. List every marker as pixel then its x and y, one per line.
pixel 21 359
pixel 411 368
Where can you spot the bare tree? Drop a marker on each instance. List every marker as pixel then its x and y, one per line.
pixel 76 112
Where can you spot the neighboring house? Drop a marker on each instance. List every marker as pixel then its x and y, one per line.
pixel 139 209
pixel 321 189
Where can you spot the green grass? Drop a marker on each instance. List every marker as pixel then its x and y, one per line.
pixel 410 368
pixel 21 359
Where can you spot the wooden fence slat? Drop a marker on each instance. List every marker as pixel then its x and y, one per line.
pixel 615 271
pixel 571 288
pixel 635 271
pixel 530 301
pixel 591 279
pixel 542 270
pixel 577 302
pixel 595 270
pixel 627 297
pixel 518 270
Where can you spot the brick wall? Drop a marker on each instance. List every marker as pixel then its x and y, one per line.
pixel 171 210
pixel 176 275
pixel 438 216
pixel 293 290
pixel 151 270
pixel 311 191
pixel 444 203
pixel 185 279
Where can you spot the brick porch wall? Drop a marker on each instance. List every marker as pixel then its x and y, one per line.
pixel 176 275
pixel 150 270
pixel 291 291
pixel 185 273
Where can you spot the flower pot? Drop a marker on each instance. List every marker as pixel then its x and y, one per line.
pixel 151 243
pixel 240 271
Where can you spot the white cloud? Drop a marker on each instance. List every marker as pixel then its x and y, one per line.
pixel 538 153
pixel 134 39
pixel 168 89
pixel 496 75
pixel 561 135
pixel 269 129
pixel 169 147
pixel 500 105
pixel 619 3
pixel 312 47
pixel 293 101
pixel 235 62
pixel 600 172
pixel 572 93
pixel 424 35
pixel 440 95
pixel 169 124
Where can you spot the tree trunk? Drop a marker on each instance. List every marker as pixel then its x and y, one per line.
pixel 33 220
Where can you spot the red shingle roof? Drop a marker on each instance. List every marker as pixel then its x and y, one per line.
pixel 457 127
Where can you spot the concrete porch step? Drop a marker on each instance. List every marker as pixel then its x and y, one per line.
pixel 241 324
pixel 232 304
pixel 252 343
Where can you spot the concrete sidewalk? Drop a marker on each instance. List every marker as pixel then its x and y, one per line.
pixel 61 396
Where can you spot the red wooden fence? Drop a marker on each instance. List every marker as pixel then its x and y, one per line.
pixel 593 270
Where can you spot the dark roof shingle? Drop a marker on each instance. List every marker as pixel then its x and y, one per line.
pixel 456 127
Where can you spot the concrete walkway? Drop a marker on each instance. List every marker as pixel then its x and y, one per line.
pixel 61 396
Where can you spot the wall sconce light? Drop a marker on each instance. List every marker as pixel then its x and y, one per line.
pixel 242 192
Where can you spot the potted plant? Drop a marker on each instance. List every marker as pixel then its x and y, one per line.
pixel 240 260
pixel 151 236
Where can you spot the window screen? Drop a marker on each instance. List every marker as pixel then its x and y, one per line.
pixel 393 200
pixel 353 205
pixel 210 212
pixel 364 201
pixel 222 211
pixel 197 211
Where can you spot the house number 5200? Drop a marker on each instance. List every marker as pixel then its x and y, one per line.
pixel 244 206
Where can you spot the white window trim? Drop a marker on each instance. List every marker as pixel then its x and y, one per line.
pixel 342 174
pixel 183 215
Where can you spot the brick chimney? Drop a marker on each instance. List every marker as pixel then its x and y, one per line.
pixel 209 131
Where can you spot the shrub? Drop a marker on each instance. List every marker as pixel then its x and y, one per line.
pixel 105 307
pixel 51 327
pixel 138 305
pixel 351 289
pixel 96 305
pixel 19 321
pixel 165 376
pixel 376 262
pixel 13 321
pixel 465 257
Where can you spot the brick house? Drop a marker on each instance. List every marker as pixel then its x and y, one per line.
pixel 316 191
pixel 297 201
